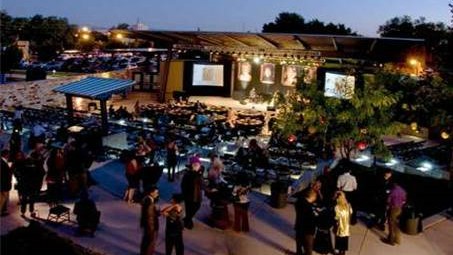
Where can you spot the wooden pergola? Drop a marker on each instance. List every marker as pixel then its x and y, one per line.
pixel 94 88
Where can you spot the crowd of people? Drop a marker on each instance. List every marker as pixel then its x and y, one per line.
pixel 328 205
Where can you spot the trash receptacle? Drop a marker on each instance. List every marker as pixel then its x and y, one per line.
pixel 279 194
pixel 411 221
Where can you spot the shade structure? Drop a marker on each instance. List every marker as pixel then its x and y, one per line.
pixel 383 49
pixel 95 88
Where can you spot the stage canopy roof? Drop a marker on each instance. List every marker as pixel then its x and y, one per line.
pixel 326 46
pixel 95 88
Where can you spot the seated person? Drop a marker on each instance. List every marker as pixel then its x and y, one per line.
pixel 202 119
pixel 232 117
pixel 87 214
pixel 253 157
pixel 112 113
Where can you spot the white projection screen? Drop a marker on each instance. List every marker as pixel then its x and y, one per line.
pixel 339 85
pixel 207 75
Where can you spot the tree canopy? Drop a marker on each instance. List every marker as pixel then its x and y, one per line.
pixel 47 35
pixel 437 36
pixel 341 123
pixel 287 22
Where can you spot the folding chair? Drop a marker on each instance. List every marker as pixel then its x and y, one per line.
pixel 59 214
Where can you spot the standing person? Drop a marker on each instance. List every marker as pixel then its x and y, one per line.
pixel 6 177
pixel 15 143
pixel 343 211
pixel 37 135
pixel 172 159
pixel 88 215
pixel 241 204
pixel 76 169
pixel 149 221
pixel 348 184
pixel 31 178
pixel 174 226
pixel 132 172
pixel 395 202
pixel 18 118
pixel 305 223
pixel 382 193
pixel 323 239
pixel 55 176
pixel 19 167
pixel 191 186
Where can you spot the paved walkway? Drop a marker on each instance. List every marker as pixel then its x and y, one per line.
pixel 271 229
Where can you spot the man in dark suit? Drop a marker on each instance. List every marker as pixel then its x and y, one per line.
pixel 191 186
pixel 6 175
pixel 149 221
pixel 305 223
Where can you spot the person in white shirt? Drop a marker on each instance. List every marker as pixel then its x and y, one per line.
pixel 38 135
pixel 18 118
pixel 348 184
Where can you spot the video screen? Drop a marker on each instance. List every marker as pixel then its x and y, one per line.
pixel 310 74
pixel 267 75
pixel 289 75
pixel 245 71
pixel 339 85
pixel 207 75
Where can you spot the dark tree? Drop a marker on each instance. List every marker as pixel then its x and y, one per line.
pixel 287 22
pixel 10 58
pixel 47 35
pixel 124 26
pixel 436 35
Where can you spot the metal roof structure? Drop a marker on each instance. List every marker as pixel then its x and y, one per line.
pixel 95 88
pixel 325 46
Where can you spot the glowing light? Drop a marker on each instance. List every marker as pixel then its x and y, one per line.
pixel 362 158
pixel 414 126
pixel 392 162
pixel 425 167
pixel 444 135
pixel 256 60
pixel 85 36
pixel 78 102
pixel 122 122
pixel 119 36
pixel 413 62
pixel 206 160
pixel 85 29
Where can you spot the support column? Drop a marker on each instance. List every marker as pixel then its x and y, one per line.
pixel 164 75
pixel 70 109
pixel 104 117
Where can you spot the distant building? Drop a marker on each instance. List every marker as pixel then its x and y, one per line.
pixel 24 46
pixel 139 26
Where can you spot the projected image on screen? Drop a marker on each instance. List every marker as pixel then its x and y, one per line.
pixel 207 75
pixel 289 75
pixel 339 86
pixel 245 71
pixel 267 75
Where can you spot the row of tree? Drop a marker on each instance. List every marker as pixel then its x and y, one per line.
pixel 48 36
pixel 380 105
pixel 287 22
pixel 438 36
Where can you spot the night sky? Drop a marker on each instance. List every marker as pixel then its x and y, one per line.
pixel 363 16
